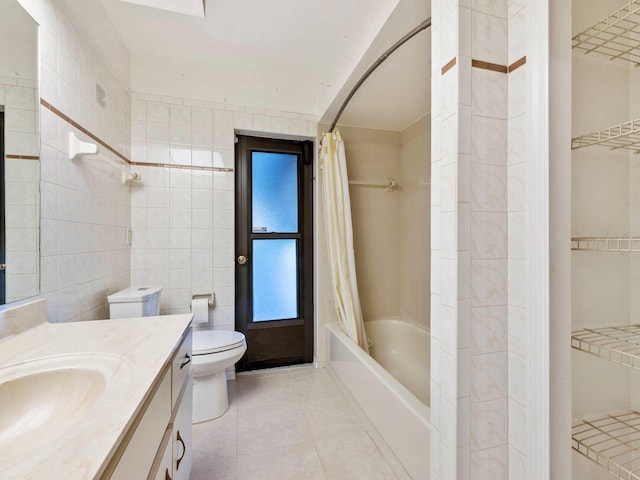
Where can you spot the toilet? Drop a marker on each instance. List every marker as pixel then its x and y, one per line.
pixel 213 352
pixel 135 302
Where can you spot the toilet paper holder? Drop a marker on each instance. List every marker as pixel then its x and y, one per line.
pixel 209 296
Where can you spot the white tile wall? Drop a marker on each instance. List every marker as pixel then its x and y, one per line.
pixel 183 219
pixel 22 199
pixel 85 208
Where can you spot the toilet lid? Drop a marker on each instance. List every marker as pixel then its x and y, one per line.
pixel 213 341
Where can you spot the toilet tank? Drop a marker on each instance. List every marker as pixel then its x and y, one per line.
pixel 135 302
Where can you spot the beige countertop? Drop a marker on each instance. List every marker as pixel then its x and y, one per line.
pixel 134 352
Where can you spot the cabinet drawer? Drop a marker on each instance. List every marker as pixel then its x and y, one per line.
pixel 181 368
pixel 137 459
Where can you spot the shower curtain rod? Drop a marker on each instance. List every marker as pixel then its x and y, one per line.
pixel 423 26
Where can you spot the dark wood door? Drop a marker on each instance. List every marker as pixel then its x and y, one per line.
pixel 274 251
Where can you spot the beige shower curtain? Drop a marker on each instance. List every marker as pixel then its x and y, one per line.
pixel 338 226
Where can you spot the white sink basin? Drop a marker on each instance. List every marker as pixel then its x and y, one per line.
pixel 40 400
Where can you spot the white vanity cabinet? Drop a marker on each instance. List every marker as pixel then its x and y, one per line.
pixel 181 436
pixel 158 446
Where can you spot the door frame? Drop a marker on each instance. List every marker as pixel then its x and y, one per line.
pixel 244 236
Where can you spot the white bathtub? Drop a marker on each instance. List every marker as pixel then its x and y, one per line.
pixel 400 418
pixel 404 351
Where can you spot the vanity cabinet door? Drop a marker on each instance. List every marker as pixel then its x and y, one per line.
pixel 137 459
pixel 165 469
pixel 182 425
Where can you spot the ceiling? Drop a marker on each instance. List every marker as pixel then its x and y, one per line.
pixel 397 93
pixel 288 55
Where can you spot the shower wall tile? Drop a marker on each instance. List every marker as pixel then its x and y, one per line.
pixel 517 464
pixel 488 140
pixel 488 330
pixel 517 27
pixel 490 380
pixel 490 240
pixel 489 465
pixel 518 244
pixel 497 8
pixel 489 35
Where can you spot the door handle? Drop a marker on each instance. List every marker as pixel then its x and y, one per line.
pixel 242 260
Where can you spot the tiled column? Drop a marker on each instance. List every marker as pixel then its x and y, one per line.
pixel 470 245
pixel 450 284
pixel 518 246
pixel 488 231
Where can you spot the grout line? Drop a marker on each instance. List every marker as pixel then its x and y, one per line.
pixel 182 166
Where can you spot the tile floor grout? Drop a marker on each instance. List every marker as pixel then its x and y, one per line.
pixel 301 413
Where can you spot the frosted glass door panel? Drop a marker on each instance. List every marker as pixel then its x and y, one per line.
pixel 274 178
pixel 275 279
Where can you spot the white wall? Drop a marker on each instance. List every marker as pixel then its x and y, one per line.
pixel 372 156
pixel 391 229
pixel 415 220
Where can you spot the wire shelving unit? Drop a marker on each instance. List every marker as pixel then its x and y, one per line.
pixel 624 136
pixel 619 345
pixel 616 37
pixel 612 441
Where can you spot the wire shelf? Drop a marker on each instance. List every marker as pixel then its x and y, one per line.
pixel 619 345
pixel 616 37
pixel 624 136
pixel 612 441
pixel 606 244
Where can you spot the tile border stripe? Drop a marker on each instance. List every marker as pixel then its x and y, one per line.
pixel 449 65
pixel 67 119
pixel 517 64
pixel 494 67
pixel 182 166
pixel 22 157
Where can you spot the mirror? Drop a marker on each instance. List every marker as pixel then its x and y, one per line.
pixel 19 153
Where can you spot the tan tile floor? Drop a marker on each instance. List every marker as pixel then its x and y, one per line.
pixel 292 424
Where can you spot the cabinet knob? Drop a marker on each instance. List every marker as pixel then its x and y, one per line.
pixel 186 361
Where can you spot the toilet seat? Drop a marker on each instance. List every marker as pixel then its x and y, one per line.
pixel 215 341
